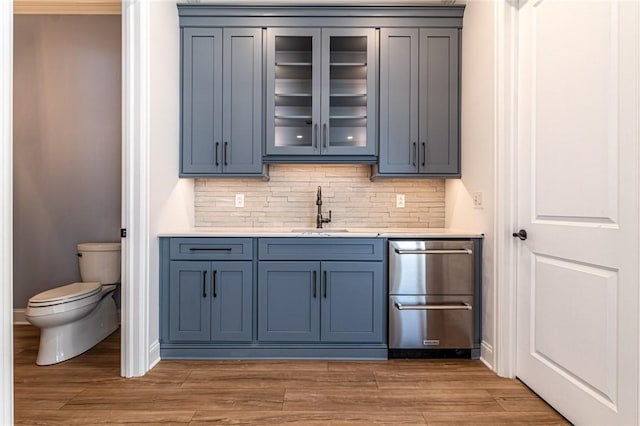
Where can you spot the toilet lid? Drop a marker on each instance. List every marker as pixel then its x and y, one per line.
pixel 67 293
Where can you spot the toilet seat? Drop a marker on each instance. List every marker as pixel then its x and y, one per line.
pixel 65 294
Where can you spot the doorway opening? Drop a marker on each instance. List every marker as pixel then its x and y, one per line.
pixel 67 145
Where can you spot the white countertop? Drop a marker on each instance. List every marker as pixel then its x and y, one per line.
pixel 325 232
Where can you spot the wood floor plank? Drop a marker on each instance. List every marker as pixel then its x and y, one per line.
pixel 104 417
pixel 519 400
pixel 262 365
pixel 221 399
pixel 231 379
pixel 493 418
pixel 414 366
pixel 26 397
pixel 447 380
pixel 392 399
pixel 292 418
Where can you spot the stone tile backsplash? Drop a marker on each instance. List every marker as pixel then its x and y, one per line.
pixel 289 197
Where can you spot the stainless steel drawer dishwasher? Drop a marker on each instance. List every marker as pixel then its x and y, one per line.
pixel 432 298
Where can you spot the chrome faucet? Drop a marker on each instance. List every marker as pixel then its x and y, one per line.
pixel 319 219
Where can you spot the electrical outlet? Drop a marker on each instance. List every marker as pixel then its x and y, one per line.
pixel 400 201
pixel 239 200
pixel 477 200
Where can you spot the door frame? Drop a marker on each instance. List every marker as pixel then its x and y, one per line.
pixel 6 212
pixel 505 220
pixel 135 344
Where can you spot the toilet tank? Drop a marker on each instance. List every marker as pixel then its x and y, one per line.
pixel 99 262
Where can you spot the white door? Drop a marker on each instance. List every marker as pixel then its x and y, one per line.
pixel 578 136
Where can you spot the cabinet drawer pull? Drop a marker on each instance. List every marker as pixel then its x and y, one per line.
pixel 324 284
pixel 226 145
pixel 314 284
pixel 215 294
pixel 424 154
pixel 204 284
pixel 209 249
pixel 435 251
pixel 216 154
pixel 452 307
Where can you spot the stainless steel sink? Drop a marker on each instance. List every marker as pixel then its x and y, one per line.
pixel 319 230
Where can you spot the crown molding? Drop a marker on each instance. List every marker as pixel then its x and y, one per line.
pixel 67 7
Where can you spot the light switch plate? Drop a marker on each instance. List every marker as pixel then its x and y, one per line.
pixel 400 201
pixel 239 200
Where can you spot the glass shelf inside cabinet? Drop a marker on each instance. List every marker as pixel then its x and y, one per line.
pixel 293 91
pixel 348 91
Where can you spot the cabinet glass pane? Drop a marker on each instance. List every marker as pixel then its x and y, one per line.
pixel 293 91
pixel 348 91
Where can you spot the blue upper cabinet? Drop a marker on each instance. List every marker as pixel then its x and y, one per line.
pixel 321 94
pixel 221 102
pixel 419 102
pixel 376 84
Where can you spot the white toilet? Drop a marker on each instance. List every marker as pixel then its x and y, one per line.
pixel 75 317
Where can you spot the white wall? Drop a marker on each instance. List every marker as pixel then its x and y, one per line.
pixel 478 150
pixel 171 199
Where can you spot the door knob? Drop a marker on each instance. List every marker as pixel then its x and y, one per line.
pixel 522 234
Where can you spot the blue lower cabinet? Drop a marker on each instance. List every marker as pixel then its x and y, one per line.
pixel 238 298
pixel 189 307
pixel 352 302
pixel 328 302
pixel 210 301
pixel 288 308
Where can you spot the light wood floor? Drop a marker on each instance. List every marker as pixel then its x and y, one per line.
pixel 89 390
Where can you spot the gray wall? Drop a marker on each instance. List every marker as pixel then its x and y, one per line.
pixel 67 144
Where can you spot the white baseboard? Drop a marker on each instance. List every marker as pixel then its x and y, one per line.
pixel 154 354
pixel 486 355
pixel 19 317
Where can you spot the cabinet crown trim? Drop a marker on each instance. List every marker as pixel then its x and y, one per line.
pixel 199 9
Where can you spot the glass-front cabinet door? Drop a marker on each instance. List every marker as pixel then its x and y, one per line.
pixel 348 91
pixel 293 91
pixel 320 91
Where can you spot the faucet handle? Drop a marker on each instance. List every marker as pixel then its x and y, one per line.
pixel 327 219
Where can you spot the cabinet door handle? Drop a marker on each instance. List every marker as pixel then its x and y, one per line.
pixel 204 284
pixel 314 284
pixel 324 135
pixel 226 145
pixel 315 135
pixel 415 153
pixel 216 154
pixel 324 284
pixel 424 154
pixel 215 294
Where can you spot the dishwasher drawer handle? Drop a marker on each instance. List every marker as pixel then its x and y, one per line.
pixel 460 306
pixel 435 251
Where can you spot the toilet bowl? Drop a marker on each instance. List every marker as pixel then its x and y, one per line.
pixel 75 317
